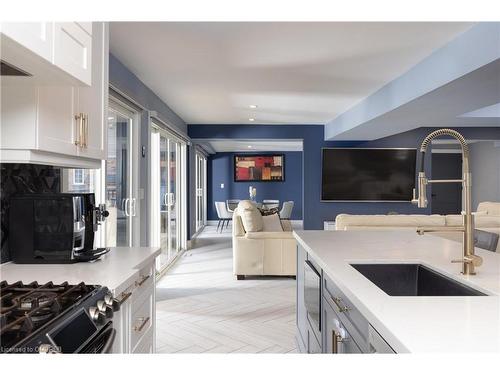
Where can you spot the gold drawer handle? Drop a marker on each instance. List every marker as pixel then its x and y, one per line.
pixel 341 308
pixel 125 296
pixel 85 130
pixel 143 280
pixel 144 322
pixel 79 129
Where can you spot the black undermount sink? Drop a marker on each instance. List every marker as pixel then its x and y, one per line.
pixel 413 280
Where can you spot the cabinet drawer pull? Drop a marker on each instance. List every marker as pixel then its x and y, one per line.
pixel 337 301
pixel 125 296
pixel 140 327
pixel 143 280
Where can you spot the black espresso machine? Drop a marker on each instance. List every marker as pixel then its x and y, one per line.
pixel 54 228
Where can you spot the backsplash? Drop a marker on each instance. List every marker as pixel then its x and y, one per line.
pixel 23 178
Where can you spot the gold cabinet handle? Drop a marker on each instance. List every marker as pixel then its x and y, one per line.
pixel 79 128
pixel 336 340
pixel 337 301
pixel 141 326
pixel 85 129
pixel 125 296
pixel 143 280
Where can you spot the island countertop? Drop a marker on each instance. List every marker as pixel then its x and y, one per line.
pixel 115 270
pixel 413 324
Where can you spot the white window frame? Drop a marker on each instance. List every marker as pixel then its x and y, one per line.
pixel 75 182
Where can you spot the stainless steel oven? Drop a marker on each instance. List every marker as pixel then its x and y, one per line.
pixel 312 295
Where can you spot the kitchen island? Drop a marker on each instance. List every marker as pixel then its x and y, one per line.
pixel 128 272
pixel 415 324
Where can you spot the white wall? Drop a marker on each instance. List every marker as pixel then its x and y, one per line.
pixel 485 167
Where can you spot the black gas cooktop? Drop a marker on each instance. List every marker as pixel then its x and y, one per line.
pixel 29 313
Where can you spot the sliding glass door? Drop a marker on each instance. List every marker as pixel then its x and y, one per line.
pixel 168 194
pixel 201 191
pixel 119 176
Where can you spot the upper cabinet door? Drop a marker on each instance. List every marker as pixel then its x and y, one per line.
pixel 35 36
pixel 56 125
pixel 73 50
pixel 93 100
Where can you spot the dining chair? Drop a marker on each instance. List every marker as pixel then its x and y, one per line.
pixel 271 203
pixel 232 204
pixel 224 215
pixel 286 210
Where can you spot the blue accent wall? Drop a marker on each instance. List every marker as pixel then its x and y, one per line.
pixel 220 169
pixel 315 211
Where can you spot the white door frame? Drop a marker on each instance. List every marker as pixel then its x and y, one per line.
pixel 157 129
pixel 127 111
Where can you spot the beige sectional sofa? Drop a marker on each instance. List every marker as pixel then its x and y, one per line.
pixel 257 252
pixel 487 218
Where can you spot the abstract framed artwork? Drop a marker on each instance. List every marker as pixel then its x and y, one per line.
pixel 261 168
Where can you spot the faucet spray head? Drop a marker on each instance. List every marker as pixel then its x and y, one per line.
pixel 421 200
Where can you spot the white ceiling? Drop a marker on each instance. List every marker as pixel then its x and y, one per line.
pixel 242 145
pixel 296 73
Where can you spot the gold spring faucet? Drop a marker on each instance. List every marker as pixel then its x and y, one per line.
pixel 469 260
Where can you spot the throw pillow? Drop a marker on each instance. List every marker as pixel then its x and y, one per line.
pixel 250 217
pixel 272 223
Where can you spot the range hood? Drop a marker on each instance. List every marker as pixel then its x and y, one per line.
pixel 7 69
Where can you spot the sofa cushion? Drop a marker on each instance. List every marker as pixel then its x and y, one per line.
pixel 271 223
pixel 490 208
pixel 345 220
pixel 250 216
pixel 480 221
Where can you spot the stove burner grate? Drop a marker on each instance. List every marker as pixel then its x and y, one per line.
pixel 24 308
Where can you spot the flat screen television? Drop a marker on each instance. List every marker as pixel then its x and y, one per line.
pixel 368 174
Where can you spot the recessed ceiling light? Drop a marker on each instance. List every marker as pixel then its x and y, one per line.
pixel 249 146
pixel 253 106
pixel 111 118
pixel 251 119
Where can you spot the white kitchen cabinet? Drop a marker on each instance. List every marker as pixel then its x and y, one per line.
pixel 135 321
pixel 65 49
pixel 93 100
pixel 73 50
pixel 55 125
pixel 58 124
pixel 35 36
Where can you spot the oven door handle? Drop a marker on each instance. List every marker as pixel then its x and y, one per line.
pixel 109 342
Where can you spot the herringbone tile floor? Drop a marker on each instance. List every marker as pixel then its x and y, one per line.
pixel 202 308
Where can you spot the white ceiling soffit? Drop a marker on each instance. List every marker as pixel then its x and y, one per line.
pixel 462 76
pixel 439 108
pixel 490 111
pixel 296 73
pixel 253 145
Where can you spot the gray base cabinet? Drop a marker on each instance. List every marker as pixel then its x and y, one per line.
pixel 343 329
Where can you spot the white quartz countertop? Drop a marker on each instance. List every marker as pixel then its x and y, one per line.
pixel 413 324
pixel 115 270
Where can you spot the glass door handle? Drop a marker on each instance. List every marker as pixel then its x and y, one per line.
pixel 165 199
pixel 126 206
